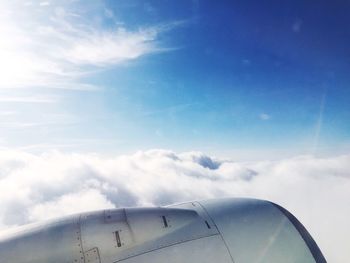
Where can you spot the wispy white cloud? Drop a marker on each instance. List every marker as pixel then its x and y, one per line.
pixel 29 99
pixel 53 184
pixel 53 51
pixel 56 47
pixel 20 125
pixel 264 116
pixel 12 120
pixel 105 48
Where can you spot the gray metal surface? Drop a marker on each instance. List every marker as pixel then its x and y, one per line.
pixel 203 250
pixel 257 231
pixel 125 233
pixel 222 230
pixel 51 242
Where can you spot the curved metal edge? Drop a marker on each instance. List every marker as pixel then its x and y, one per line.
pixel 222 238
pixel 310 242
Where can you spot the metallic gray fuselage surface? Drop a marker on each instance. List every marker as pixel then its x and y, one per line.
pixel 219 230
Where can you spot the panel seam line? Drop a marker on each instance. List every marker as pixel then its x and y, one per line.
pixel 223 240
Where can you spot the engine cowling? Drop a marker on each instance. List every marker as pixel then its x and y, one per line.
pixel 218 230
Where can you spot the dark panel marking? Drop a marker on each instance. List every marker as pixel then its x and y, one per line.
pixel 165 222
pixel 117 237
pixel 206 222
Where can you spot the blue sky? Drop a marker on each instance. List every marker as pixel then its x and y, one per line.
pixel 233 78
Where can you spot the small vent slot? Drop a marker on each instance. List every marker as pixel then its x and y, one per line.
pixel 206 222
pixel 117 238
pixel 165 222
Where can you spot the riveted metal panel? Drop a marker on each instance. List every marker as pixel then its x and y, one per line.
pixel 121 234
pixel 107 230
pixel 114 215
pixel 152 233
pixel 47 242
pixel 92 256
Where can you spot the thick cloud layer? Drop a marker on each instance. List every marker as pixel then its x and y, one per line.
pixel 317 191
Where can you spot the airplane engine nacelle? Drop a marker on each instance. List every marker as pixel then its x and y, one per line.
pixel 218 230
